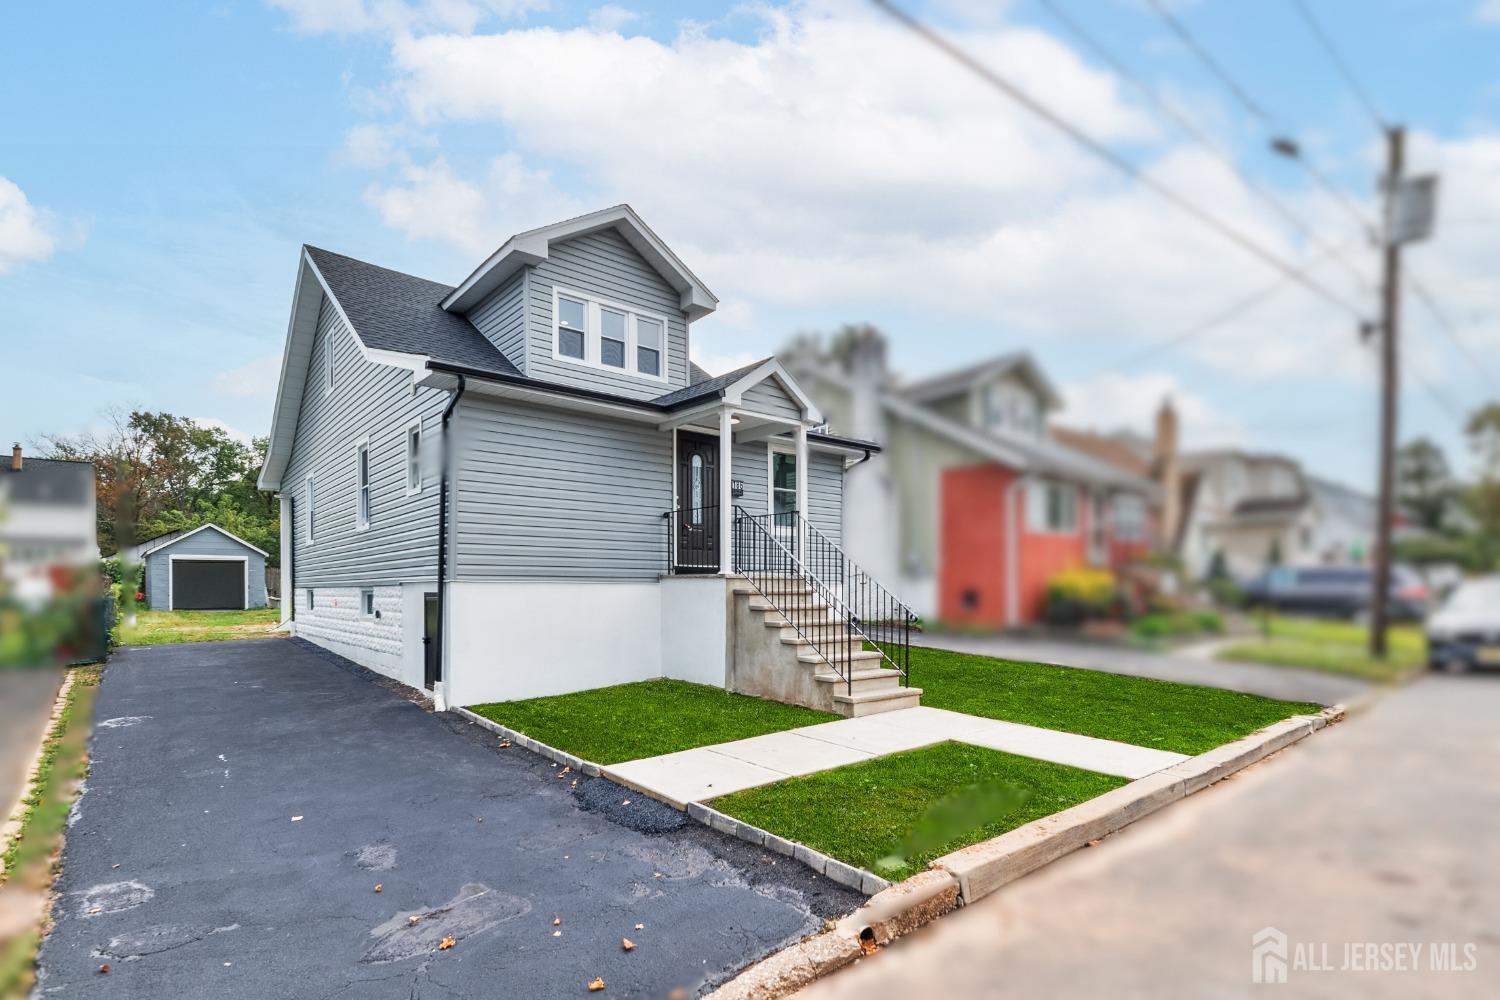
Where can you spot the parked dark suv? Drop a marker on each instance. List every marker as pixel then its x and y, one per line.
pixel 1336 591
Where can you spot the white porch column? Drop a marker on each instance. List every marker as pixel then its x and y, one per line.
pixel 726 490
pixel 803 475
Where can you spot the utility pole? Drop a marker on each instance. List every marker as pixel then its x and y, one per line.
pixel 1389 378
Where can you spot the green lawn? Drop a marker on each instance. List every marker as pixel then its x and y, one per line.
pixel 865 812
pixel 629 721
pixel 1181 718
pixel 1336 647
pixel 154 628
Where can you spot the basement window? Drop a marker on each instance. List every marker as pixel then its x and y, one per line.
pixel 367 603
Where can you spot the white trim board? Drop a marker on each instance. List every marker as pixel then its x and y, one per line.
pixel 243 560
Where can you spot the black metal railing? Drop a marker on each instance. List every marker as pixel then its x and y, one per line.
pixel 834 606
pixel 692 539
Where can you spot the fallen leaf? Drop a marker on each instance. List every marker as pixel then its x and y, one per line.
pixel 104 968
pixel 114 866
pixel 557 921
pixel 379 886
pixel 296 819
pixel 627 944
pixel 595 985
pixel 557 933
pixel 446 943
pixel 505 744
pixel 1093 843
pixel 625 803
pixel 868 946
pixel 640 927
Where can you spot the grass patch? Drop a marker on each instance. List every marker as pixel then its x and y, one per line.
pixel 28 857
pixel 646 719
pixel 1334 647
pixel 1163 715
pixel 155 628
pixel 864 812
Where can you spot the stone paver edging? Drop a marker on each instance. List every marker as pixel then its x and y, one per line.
pixel 973 872
pixel 844 874
pixel 12 827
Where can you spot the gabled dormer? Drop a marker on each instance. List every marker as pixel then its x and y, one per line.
pixel 1008 396
pixel 596 302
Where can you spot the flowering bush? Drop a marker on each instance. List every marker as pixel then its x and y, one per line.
pixel 1084 594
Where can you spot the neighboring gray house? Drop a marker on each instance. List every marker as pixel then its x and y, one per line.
pixel 200 569
pixel 513 487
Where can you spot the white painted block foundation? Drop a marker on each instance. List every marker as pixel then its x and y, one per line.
pixel 694 629
pixel 339 626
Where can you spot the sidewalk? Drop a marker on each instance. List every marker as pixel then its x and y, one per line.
pixel 1186 666
pixel 708 772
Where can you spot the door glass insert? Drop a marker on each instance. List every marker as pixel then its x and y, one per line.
pixel 695 515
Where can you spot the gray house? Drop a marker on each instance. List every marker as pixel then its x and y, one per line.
pixel 200 569
pixel 521 486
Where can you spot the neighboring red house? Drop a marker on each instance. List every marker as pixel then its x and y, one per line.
pixel 976 502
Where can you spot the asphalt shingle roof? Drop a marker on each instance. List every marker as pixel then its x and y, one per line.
pixel 392 311
pixel 46 480
pixel 708 387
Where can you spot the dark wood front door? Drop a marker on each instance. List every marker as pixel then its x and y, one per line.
pixel 697 528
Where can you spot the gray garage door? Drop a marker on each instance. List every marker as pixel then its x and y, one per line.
pixel 208 585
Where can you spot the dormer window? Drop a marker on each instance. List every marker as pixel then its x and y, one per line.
pixel 608 335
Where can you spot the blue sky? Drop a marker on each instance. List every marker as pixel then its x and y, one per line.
pixel 813 162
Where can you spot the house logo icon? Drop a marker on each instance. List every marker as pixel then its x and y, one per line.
pixel 1268 956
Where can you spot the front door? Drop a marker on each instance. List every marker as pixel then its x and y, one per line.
pixel 697 529
pixel 432 664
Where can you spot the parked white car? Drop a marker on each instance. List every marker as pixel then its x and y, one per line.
pixel 1465 631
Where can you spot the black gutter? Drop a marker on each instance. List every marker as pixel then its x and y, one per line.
pixel 559 389
pixel 442 565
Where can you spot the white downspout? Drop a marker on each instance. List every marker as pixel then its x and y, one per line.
pixel 1013 553
pixel 288 598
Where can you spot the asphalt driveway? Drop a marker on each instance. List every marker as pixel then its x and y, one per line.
pixel 245 799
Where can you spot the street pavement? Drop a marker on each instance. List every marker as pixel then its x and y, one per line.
pixel 1252 678
pixel 246 799
pixel 26 699
pixel 1369 839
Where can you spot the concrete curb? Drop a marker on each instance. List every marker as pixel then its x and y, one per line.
pixel 12 826
pixel 982 868
pixel 525 742
pixel 976 871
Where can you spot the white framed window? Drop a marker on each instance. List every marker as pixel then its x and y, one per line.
pixel 328 365
pixel 367 603
pixel 414 458
pixel 783 482
pixel 607 335
pixel 1128 514
pixel 312 508
pixel 362 485
pixel 1051 508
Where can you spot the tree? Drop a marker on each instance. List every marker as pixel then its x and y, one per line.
pixel 1425 488
pixel 1483 498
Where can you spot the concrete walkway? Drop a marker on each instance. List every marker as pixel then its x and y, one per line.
pixel 708 772
pixel 1183 666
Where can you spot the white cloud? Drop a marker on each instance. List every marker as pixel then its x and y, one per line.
pixel 718 364
pixel 234 433
pixel 1488 11
pixel 258 378
pixel 1112 402
pixel 611 17
pixel 27 233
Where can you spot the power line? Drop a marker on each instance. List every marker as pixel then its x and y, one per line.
pixel 1339 63
pixel 1210 63
pixel 1188 127
pixel 1040 110
pixel 1219 319
pixel 1450 329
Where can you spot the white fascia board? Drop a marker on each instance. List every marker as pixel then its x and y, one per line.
pixel 205 527
pixel 771 368
pixel 533 247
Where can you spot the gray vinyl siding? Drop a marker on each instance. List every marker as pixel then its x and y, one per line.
pixel 769 397
pixel 561 495
pixel 400 544
pixel 604 265
pixel 825 486
pixel 202 543
pixel 502 319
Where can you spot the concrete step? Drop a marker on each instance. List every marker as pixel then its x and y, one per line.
pixel 864 703
pixel 801 616
pixel 877 679
pixel 858 656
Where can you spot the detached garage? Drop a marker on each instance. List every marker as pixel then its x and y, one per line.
pixel 205 569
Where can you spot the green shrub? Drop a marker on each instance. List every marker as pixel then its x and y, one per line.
pixel 1226 593
pixel 1208 621
pixel 1153 626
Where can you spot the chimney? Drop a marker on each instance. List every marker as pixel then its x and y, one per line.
pixel 1168 472
pixel 15 457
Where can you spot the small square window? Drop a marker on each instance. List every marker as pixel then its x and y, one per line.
pixel 367 603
